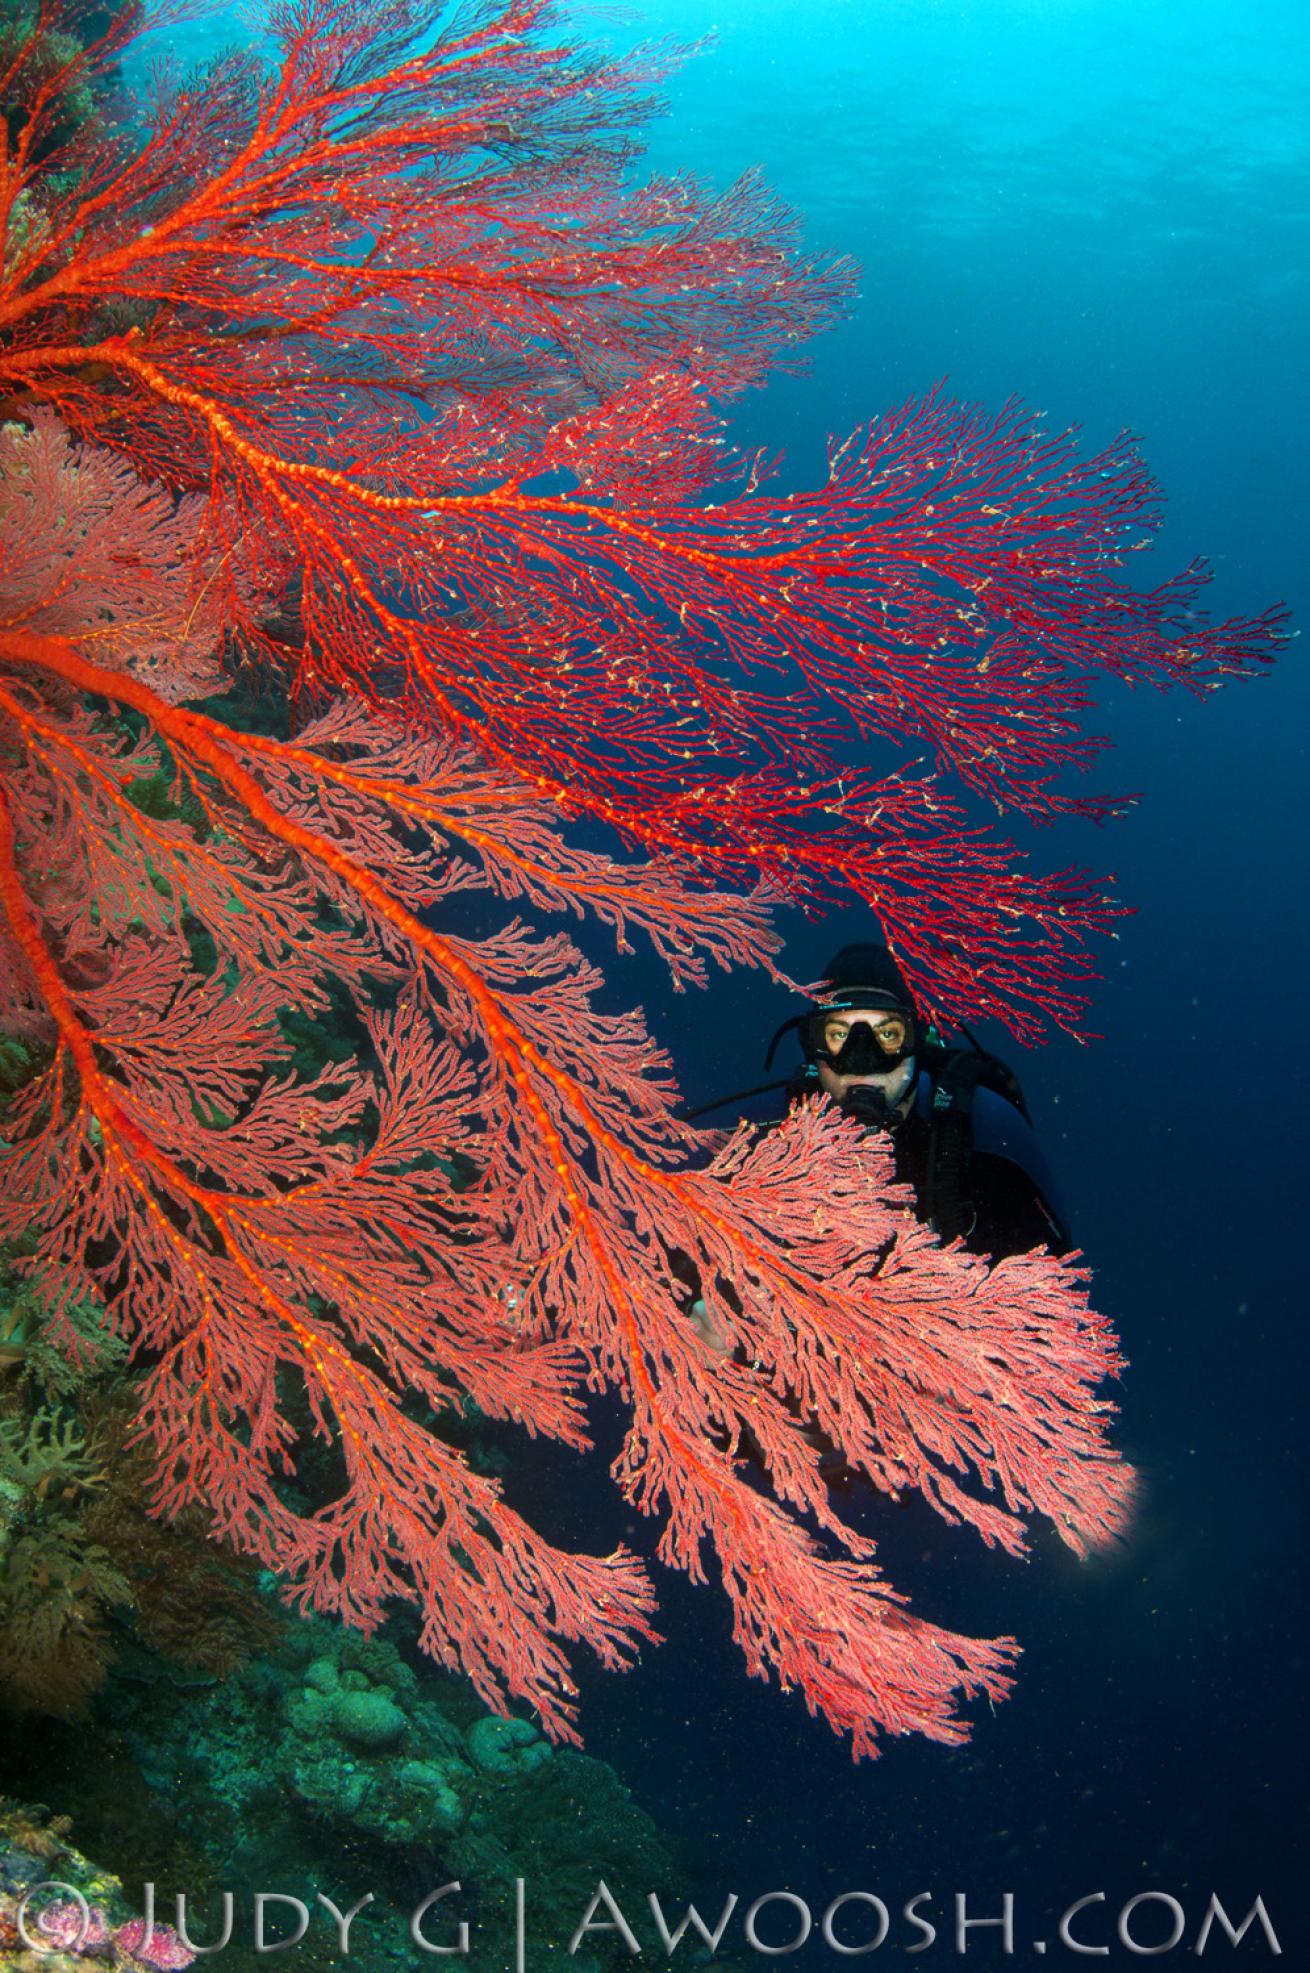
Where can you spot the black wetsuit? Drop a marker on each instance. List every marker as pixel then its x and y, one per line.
pixel 1007 1200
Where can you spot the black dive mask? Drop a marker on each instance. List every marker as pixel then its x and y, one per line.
pixel 876 1039
pixel 879 1033
pixel 862 1054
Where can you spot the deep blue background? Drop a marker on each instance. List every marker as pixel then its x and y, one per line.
pixel 1103 208
pixel 1100 205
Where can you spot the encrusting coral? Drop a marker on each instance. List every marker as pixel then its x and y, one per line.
pixel 331 1760
pixel 60 1913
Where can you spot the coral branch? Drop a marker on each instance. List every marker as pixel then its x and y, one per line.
pixel 597 1207
pixel 373 386
pixel 468 404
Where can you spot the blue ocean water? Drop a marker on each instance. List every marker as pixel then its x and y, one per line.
pixel 1102 207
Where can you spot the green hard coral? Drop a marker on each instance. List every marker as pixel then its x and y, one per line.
pixel 364 1749
pixel 332 1757
pixel 373 1751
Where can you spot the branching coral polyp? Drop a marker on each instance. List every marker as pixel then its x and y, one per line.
pixel 374 381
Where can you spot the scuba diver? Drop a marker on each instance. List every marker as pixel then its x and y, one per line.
pixel 955 1117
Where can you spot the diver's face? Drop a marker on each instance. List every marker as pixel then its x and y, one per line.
pixel 888 1032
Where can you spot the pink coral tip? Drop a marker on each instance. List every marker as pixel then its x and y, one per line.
pixel 71 1927
pixel 158 1947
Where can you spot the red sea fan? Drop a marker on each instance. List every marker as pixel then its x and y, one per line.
pixel 90 552
pixel 438 368
pixel 403 404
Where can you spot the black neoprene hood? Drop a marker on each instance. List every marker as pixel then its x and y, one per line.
pixel 859 976
pixel 872 973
